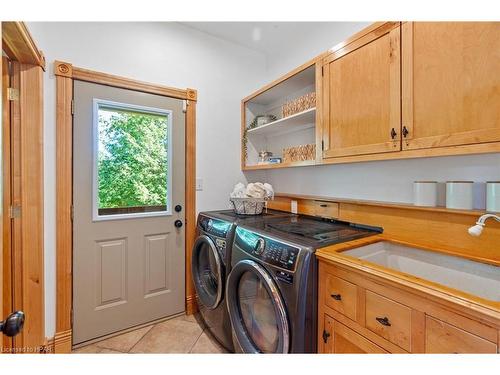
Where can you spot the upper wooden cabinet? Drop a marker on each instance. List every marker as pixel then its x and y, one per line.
pixel 361 85
pixel 450 83
pixel 392 91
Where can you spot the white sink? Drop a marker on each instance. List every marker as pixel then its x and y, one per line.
pixel 479 279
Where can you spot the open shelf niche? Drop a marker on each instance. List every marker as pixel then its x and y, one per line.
pixel 293 130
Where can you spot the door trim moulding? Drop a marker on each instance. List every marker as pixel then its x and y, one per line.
pixel 23 254
pixel 19 45
pixel 65 74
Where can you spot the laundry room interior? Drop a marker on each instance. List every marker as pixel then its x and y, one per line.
pixel 282 184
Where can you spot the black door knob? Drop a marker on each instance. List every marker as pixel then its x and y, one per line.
pixel 178 208
pixel 178 223
pixel 13 324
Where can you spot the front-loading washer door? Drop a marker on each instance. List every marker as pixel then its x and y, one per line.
pixel 256 310
pixel 207 270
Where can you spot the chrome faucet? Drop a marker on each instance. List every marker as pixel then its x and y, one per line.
pixel 477 229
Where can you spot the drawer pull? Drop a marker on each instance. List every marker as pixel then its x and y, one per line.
pixel 323 205
pixel 326 335
pixel 336 297
pixel 384 321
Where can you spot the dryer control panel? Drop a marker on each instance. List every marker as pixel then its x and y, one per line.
pixel 268 250
pixel 215 227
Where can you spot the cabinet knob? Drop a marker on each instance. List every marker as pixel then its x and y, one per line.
pixel 326 335
pixel 405 131
pixel 393 133
pixel 384 321
pixel 336 297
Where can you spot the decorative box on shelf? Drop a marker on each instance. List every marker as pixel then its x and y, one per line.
pixel 300 104
pixel 299 153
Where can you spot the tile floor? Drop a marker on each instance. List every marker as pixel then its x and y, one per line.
pixel 178 335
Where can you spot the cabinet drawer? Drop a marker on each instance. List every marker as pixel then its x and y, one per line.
pixel 319 208
pixel 341 295
pixel 388 319
pixel 441 337
pixel 347 341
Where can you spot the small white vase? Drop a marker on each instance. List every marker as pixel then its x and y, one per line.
pixel 425 193
pixel 493 196
pixel 459 195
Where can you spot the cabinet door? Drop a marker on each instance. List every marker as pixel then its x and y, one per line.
pixel 339 339
pixel 362 100
pixel 450 83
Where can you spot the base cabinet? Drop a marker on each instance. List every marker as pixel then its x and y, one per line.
pixel 362 313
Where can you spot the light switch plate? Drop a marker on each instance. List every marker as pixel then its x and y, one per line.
pixel 199 184
pixel 293 207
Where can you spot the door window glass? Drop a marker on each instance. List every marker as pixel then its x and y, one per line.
pixel 132 166
pixel 257 312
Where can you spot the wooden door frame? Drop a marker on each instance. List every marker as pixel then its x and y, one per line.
pixel 23 250
pixel 66 74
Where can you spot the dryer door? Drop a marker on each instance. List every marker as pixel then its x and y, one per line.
pixel 256 309
pixel 207 269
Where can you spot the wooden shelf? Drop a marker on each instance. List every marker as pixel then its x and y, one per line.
pixel 366 202
pixel 304 163
pixel 299 121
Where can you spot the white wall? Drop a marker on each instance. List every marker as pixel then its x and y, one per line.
pixel 382 180
pixel 169 54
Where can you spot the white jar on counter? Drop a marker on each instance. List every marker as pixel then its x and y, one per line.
pixel 493 196
pixel 459 195
pixel 425 193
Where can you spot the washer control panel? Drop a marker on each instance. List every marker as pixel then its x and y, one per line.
pixel 266 249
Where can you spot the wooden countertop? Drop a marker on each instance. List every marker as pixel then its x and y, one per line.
pixel 334 254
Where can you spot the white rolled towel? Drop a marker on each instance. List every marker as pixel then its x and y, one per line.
pixel 239 191
pixel 256 190
pixel 269 190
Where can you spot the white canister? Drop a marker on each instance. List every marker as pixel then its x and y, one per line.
pixel 459 195
pixel 425 193
pixel 493 196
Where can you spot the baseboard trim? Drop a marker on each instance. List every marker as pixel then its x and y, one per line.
pixel 191 305
pixel 62 342
pixel 48 346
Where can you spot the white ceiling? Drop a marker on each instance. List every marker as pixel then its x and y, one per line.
pixel 265 37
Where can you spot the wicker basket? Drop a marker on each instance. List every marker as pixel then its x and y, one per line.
pixel 299 104
pixel 248 206
pixel 299 153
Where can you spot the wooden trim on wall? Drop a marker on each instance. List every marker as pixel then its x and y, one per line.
pixel 65 74
pixel 190 203
pixel 31 101
pixel 19 44
pixel 63 341
pixel 64 193
pixel 26 194
pixel 6 261
pixel 23 127
pixel 80 74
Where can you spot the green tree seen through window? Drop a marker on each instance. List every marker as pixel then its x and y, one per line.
pixel 132 159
